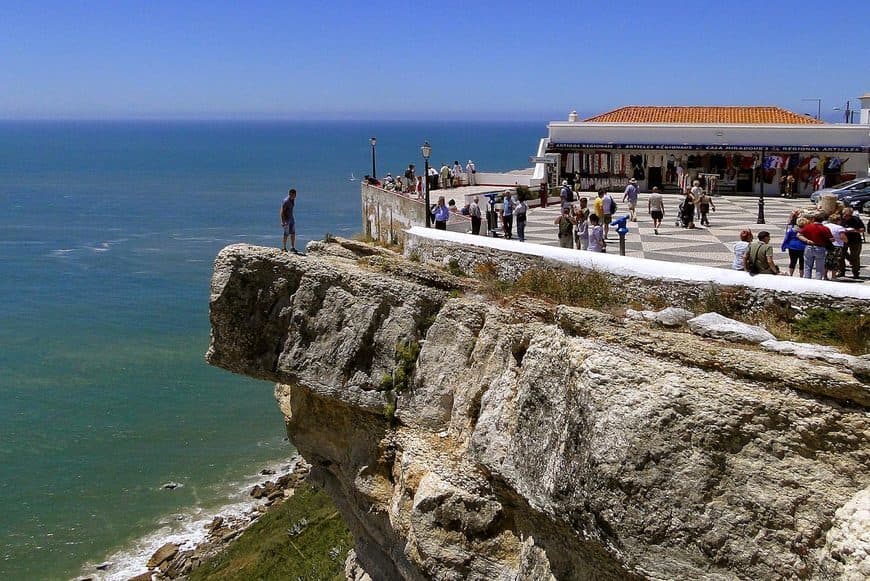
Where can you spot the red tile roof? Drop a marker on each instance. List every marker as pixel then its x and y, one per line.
pixel 712 115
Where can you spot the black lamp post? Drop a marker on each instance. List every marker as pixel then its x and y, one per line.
pixel 426 150
pixel 373 142
pixel 847 111
pixel 761 194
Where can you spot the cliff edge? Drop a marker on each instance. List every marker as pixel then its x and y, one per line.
pixel 469 438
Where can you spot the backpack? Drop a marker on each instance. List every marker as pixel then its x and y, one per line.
pixel 612 204
pixel 565 227
pixel 751 265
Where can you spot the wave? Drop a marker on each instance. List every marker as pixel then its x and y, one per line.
pixel 188 528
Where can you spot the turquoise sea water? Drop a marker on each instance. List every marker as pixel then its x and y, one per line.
pixel 108 232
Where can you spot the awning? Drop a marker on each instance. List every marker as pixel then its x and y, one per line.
pixel 566 146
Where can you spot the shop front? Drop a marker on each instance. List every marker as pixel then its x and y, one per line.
pixel 790 157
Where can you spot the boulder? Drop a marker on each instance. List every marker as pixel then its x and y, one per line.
pixel 162 555
pixel 146 576
pixel 720 327
pixel 859 365
pixel 668 317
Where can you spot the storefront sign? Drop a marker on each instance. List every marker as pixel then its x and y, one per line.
pixel 549 160
pixel 708 147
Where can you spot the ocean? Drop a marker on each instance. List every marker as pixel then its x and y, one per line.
pixel 108 232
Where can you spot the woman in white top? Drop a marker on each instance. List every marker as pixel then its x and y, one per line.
pixel 740 249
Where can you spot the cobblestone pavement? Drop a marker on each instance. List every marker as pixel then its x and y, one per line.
pixel 709 246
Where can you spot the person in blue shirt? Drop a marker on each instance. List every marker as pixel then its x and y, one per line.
pixel 441 213
pixel 794 246
pixel 507 214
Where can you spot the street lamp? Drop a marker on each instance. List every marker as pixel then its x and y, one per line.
pixel 760 219
pixel 426 150
pixel 373 141
pixel 819 103
pixel 847 110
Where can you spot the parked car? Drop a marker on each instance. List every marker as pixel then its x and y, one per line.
pixel 858 200
pixel 841 190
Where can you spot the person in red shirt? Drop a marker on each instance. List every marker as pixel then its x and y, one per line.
pixel 817 237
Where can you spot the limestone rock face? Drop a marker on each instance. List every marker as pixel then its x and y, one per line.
pixel 530 441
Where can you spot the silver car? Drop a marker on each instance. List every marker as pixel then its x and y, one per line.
pixel 841 190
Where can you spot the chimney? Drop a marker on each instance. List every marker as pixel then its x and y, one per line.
pixel 865 109
pixel 572 116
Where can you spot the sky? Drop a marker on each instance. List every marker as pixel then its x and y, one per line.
pixel 424 60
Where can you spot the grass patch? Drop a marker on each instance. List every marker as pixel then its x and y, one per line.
pixel 560 285
pixel 406 357
pixel 301 538
pixel 454 268
pixel 851 330
pixel 727 302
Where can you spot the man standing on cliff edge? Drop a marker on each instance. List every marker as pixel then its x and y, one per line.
pixel 288 222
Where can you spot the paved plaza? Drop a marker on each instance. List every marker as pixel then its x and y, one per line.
pixel 709 246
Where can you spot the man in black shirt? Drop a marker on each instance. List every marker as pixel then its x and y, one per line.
pixel 854 239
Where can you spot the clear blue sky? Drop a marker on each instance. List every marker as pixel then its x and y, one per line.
pixel 429 60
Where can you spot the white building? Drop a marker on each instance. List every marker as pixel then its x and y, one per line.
pixel 735 149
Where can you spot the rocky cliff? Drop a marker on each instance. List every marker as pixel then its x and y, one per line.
pixel 464 437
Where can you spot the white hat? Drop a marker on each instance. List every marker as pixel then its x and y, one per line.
pixel 564 182
pixel 632 181
pixel 469 161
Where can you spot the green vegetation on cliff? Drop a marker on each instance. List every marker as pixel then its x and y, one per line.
pixel 300 538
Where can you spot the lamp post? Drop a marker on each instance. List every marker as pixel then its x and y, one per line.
pixel 373 141
pixel 426 150
pixel 761 195
pixel 847 110
pixel 819 103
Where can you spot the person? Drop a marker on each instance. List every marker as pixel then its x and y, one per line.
pixel 597 243
pixel 389 180
pixel 445 175
pixel 474 212
pixel 656 206
pixel 581 225
pixel 760 255
pixel 410 177
pixel 565 195
pixel 817 238
pixel 507 214
pixel 470 170
pixel 687 211
pixel 419 187
pixel 565 221
pixel 441 213
pixel 466 209
pixel 835 261
pixel 456 174
pixel 520 210
pixel 705 204
pixel 696 195
pixel 288 222
pixel 631 195
pixel 451 206
pixel 433 178
pixel 598 205
pixel 854 239
pixel 794 246
pixel 606 207
pixel 544 193
pixel 740 249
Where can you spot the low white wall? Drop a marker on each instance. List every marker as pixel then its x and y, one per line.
pixel 681 283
